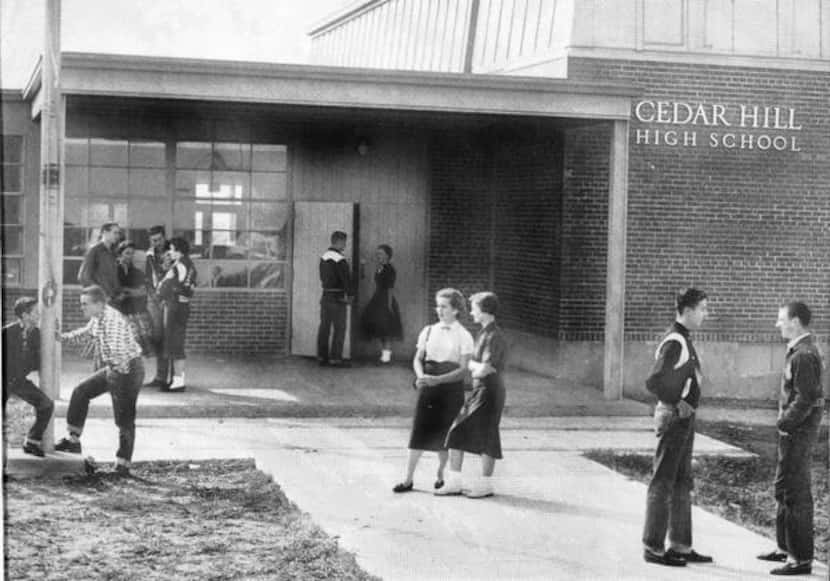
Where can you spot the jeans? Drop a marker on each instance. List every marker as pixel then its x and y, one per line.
pixel 332 314
pixel 794 519
pixel 155 309
pixel 123 389
pixel 32 395
pixel 669 504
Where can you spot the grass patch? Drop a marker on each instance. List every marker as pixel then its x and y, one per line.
pixel 211 520
pixel 740 489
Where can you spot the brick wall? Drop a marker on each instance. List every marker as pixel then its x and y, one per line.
pixel 248 322
pixel 527 192
pixel 751 227
pixel 505 188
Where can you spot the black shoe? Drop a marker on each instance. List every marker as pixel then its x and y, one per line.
pixel 322 362
pixel 664 559
pixel 403 487
pixel 156 383
pixel 438 484
pixel 340 363
pixel 793 569
pixel 690 557
pixel 776 556
pixel 67 445
pixel 33 449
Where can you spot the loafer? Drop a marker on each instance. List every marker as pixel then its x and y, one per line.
pixel 690 557
pixel 793 569
pixel 403 487
pixel 438 484
pixel 664 559
pixel 776 555
pixel 156 383
pixel 33 449
pixel 67 445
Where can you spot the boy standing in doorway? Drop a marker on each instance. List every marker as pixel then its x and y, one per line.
pixel 335 278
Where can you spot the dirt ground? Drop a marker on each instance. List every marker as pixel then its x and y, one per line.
pixel 741 490
pixel 214 520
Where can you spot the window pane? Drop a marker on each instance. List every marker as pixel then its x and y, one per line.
pixel 12 178
pixel 12 210
pixel 70 271
pixel 77 182
pixel 227 244
pixel 267 245
pixel 269 158
pixel 146 213
pixel 77 240
pixel 268 275
pixel 227 185
pixel 148 182
pixel 184 215
pixel 142 241
pixel 108 152
pixel 12 151
pixel 119 213
pixel 187 181
pixel 219 273
pixel 108 181
pixel 12 268
pixel 269 216
pixel 193 155
pixel 74 213
pixel 147 154
pixel 12 237
pixel 229 156
pixel 98 213
pixel 76 151
pixel 270 186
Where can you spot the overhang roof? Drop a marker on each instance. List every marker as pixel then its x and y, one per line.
pixel 339 87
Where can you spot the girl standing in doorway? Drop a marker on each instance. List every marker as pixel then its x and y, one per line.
pixel 382 318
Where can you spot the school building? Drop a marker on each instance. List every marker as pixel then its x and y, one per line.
pixel 584 159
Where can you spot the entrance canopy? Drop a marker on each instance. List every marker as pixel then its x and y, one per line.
pixel 227 81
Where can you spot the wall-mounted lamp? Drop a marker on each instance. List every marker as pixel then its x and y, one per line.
pixel 362 147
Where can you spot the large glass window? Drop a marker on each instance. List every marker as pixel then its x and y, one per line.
pixel 230 203
pixel 11 185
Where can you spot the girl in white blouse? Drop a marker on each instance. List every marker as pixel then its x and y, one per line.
pixel 443 352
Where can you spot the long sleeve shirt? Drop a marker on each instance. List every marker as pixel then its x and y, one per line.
pixel 116 340
pixel 100 267
pixel 801 389
pixel 676 369
pixel 21 351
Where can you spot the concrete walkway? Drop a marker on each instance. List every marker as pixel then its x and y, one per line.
pixel 557 515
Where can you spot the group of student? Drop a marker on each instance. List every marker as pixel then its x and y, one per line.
pixel 131 314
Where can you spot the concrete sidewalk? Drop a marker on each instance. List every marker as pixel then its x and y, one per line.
pixel 556 514
pixel 298 387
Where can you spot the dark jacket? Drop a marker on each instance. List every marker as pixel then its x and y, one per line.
pixel 676 364
pixel 100 267
pixel 800 385
pixel 335 275
pixel 17 363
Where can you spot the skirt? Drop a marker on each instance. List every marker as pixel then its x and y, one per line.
pixel 175 329
pixel 476 429
pixel 381 319
pixel 436 408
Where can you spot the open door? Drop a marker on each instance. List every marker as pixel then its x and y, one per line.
pixel 313 224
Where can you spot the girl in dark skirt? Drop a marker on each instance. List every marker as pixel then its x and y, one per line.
pixel 476 429
pixel 440 364
pixel 176 290
pixel 382 319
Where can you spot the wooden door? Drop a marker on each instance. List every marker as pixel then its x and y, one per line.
pixel 313 224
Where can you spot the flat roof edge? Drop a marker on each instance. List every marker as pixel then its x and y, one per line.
pixel 380 76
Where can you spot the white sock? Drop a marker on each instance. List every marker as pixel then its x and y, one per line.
pixel 386 355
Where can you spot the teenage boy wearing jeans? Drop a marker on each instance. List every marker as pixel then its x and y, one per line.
pixel 675 380
pixel 121 375
pixel 21 356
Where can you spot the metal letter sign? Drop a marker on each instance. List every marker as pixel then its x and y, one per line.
pixel 51 175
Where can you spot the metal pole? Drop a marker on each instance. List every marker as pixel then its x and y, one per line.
pixel 50 246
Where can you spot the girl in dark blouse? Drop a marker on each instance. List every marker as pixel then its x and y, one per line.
pixel 132 300
pixel 476 428
pixel 381 319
